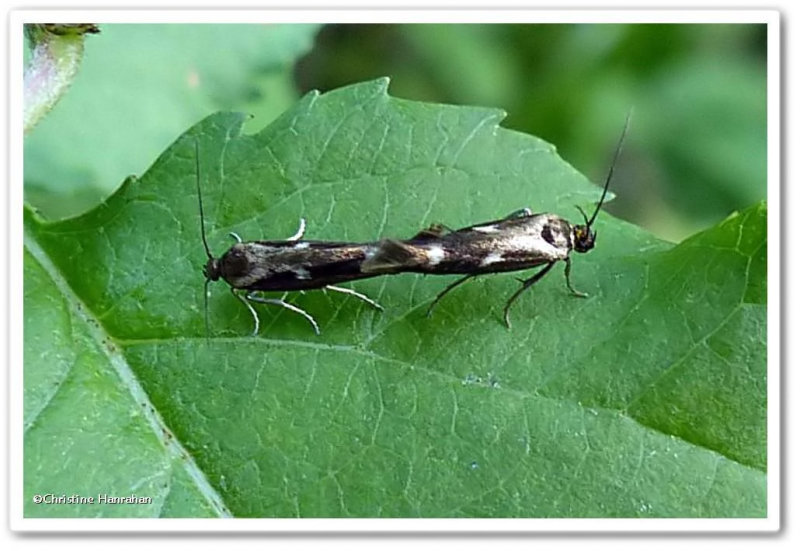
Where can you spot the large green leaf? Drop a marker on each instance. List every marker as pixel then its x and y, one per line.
pixel 646 399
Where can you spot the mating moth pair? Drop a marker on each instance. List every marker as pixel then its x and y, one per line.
pixel 520 241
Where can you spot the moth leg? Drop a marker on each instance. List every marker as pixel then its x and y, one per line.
pixel 446 290
pixel 249 307
pixel 519 213
pixel 300 231
pixel 567 269
pixel 356 294
pixel 525 284
pixel 235 236
pixel 280 302
pixel 205 308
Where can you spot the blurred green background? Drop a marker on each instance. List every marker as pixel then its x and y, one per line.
pixel 696 150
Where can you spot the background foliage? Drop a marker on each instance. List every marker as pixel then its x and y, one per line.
pixel 648 399
pixel 696 152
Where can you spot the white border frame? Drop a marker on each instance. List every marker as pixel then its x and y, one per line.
pixel 770 523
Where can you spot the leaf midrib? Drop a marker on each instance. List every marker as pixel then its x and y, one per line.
pixel 80 311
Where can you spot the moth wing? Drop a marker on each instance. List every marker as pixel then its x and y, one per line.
pixel 390 256
pixel 434 231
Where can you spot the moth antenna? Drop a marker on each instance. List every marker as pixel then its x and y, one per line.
pixel 202 232
pixel 200 199
pixel 205 304
pixel 610 170
pixel 585 218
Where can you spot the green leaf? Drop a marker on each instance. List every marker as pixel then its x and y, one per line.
pixel 647 399
pixel 89 429
pixel 721 157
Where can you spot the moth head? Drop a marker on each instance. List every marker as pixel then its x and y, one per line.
pixel 582 235
pixel 211 270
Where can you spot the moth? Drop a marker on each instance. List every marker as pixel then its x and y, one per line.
pixel 293 264
pixel 520 241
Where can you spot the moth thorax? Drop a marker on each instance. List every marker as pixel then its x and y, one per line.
pixel 235 263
